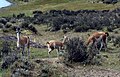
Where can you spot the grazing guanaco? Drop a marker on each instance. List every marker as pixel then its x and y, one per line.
pixel 98 37
pixel 53 44
pixel 23 42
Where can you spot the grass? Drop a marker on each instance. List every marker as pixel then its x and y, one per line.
pixel 45 5
pixel 0 73
pixel 111 62
pixel 5 73
pixel 41 53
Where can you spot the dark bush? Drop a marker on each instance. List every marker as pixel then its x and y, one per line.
pixel 80 20
pixel 76 50
pixel 116 41
pixel 64 26
pixel 21 15
pixel 5 30
pixel 7 55
pixel 37 12
pixel 5 48
pixel 32 28
pixel 34 69
pixel 13 28
pixel 24 25
pixel 1 25
pixel 26 0
pixel 82 28
pixel 13 20
pixel 3 20
pixel 110 29
pixel 110 1
pixel 8 25
pixel 9 60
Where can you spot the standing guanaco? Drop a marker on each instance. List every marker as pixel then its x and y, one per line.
pixel 98 37
pixel 23 41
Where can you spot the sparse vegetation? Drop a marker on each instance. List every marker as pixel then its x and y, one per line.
pixel 54 4
pixel 115 39
pixel 76 50
pixel 75 18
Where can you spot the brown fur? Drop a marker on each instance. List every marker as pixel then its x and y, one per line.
pixel 53 44
pixel 96 35
pixel 24 40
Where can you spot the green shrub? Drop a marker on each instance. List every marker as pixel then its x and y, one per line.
pixel 1 25
pixel 5 47
pixel 8 25
pixel 77 51
pixel 115 40
pixel 82 28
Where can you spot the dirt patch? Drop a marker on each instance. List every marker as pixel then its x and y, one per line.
pixel 83 71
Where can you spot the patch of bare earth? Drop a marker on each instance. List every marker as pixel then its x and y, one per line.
pixel 83 71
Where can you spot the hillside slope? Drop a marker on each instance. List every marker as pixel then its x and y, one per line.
pixel 45 5
pixel 110 60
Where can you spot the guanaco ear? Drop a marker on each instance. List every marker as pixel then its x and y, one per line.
pixel 65 36
pixel 47 43
pixel 88 34
pixel 18 29
pixel 107 33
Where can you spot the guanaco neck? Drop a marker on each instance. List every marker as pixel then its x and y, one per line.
pixel 64 39
pixel 18 39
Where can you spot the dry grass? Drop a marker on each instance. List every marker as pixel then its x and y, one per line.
pixel 45 5
pixel 111 62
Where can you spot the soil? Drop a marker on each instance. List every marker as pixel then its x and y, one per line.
pixel 78 70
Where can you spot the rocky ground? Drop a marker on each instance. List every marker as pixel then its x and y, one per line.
pixel 84 71
pixel 35 67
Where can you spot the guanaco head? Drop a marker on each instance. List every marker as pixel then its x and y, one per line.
pixel 47 43
pixel 65 38
pixel 107 33
pixel 18 30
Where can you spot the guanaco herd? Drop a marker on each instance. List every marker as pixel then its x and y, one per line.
pixel 24 41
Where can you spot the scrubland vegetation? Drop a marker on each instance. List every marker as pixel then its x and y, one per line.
pixel 45 20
